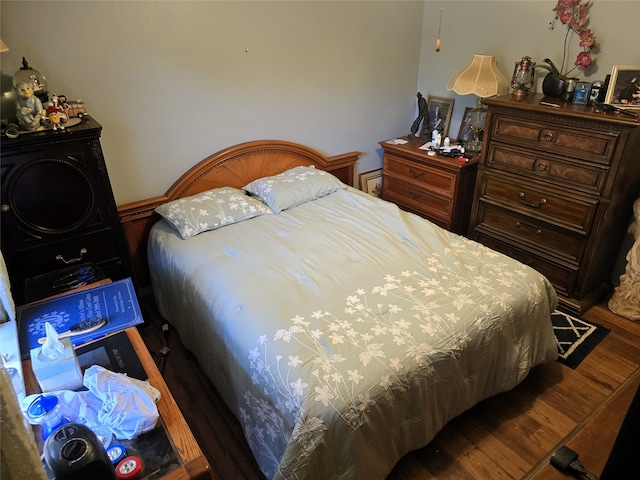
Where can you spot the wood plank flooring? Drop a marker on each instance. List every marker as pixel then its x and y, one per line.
pixel 510 436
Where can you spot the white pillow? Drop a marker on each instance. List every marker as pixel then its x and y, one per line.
pixel 294 187
pixel 210 210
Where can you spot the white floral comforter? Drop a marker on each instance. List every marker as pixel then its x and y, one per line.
pixel 345 333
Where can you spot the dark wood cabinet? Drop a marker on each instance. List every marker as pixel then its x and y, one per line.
pixel 437 188
pixel 555 190
pixel 57 206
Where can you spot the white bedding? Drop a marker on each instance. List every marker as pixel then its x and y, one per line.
pixel 344 333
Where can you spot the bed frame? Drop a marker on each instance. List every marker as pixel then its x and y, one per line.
pixel 234 167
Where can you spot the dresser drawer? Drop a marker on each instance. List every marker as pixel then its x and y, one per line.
pixel 547 168
pixel 531 232
pixel 417 198
pixel 428 178
pixel 574 213
pixel 562 277
pixel 594 144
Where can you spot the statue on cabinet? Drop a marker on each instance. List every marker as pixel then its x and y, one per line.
pixel 29 108
pixel 420 127
pixel 626 296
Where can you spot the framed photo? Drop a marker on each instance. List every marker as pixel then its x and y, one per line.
pixel 440 110
pixel 371 182
pixel 624 86
pixel 465 134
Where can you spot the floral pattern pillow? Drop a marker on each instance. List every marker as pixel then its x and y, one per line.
pixel 294 187
pixel 210 210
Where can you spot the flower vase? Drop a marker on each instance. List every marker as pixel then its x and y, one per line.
pixel 553 85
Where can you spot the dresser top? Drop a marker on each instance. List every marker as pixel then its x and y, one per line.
pixel 537 102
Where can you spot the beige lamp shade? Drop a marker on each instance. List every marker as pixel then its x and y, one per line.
pixel 3 47
pixel 480 77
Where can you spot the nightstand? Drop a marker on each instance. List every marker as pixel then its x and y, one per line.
pixel 57 206
pixel 437 188
pixel 171 444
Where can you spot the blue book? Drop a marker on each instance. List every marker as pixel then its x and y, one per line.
pixel 82 316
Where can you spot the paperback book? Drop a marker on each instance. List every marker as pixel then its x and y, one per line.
pixel 83 316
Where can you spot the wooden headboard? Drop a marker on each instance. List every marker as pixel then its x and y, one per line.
pixel 234 167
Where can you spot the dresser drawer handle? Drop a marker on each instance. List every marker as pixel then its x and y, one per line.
pixel 416 174
pixel 542 167
pixel 527 224
pixel 548 137
pixel 83 252
pixel 416 196
pixel 532 205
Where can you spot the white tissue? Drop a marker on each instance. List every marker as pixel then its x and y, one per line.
pixel 52 348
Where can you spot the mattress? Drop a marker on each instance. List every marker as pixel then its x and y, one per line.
pixel 344 333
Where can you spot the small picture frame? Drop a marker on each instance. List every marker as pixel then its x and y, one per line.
pixel 465 134
pixel 371 182
pixel 581 93
pixel 624 87
pixel 440 110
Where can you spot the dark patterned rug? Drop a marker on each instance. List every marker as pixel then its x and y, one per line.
pixel 576 337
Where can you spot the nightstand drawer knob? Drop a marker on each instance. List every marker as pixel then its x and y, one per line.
pixel 416 196
pixel 416 174
pixel 83 252
pixel 532 205
pixel 530 225
pixel 5 207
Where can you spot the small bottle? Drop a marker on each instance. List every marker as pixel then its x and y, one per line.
pixel 447 141
pixel 434 135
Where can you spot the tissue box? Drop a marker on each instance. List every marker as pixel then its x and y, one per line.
pixel 63 373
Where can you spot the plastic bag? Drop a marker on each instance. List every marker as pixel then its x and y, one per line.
pixel 126 408
pixel 124 405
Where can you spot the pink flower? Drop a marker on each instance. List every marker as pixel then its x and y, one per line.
pixel 586 39
pixel 583 61
pixel 574 14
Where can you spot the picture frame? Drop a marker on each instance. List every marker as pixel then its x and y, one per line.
pixel 624 87
pixel 440 110
pixel 371 182
pixel 465 134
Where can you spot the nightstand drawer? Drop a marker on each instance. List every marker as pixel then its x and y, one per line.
pixel 416 198
pixel 547 168
pixel 439 181
pixel 594 144
pixel 97 250
pixel 531 232
pixel 574 213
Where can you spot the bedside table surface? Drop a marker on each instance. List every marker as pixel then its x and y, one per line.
pixel 195 465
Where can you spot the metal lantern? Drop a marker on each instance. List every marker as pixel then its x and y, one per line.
pixel 522 79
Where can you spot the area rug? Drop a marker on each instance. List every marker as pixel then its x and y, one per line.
pixel 576 337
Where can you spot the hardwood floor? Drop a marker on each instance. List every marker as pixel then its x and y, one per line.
pixel 510 436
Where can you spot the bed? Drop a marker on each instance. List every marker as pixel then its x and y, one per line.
pixel 341 331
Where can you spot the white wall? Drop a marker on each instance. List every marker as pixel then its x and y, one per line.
pixel 172 82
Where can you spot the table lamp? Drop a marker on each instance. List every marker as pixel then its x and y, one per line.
pixel 480 77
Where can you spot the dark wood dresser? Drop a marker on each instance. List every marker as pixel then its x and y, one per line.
pixel 555 190
pixel 437 188
pixel 57 207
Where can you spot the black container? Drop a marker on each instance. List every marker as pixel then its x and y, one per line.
pixel 73 452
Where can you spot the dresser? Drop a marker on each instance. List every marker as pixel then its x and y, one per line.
pixel 437 188
pixel 555 190
pixel 57 206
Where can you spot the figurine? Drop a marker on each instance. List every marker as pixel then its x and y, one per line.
pixel 56 113
pixel 28 108
pixel 55 120
pixel 418 131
